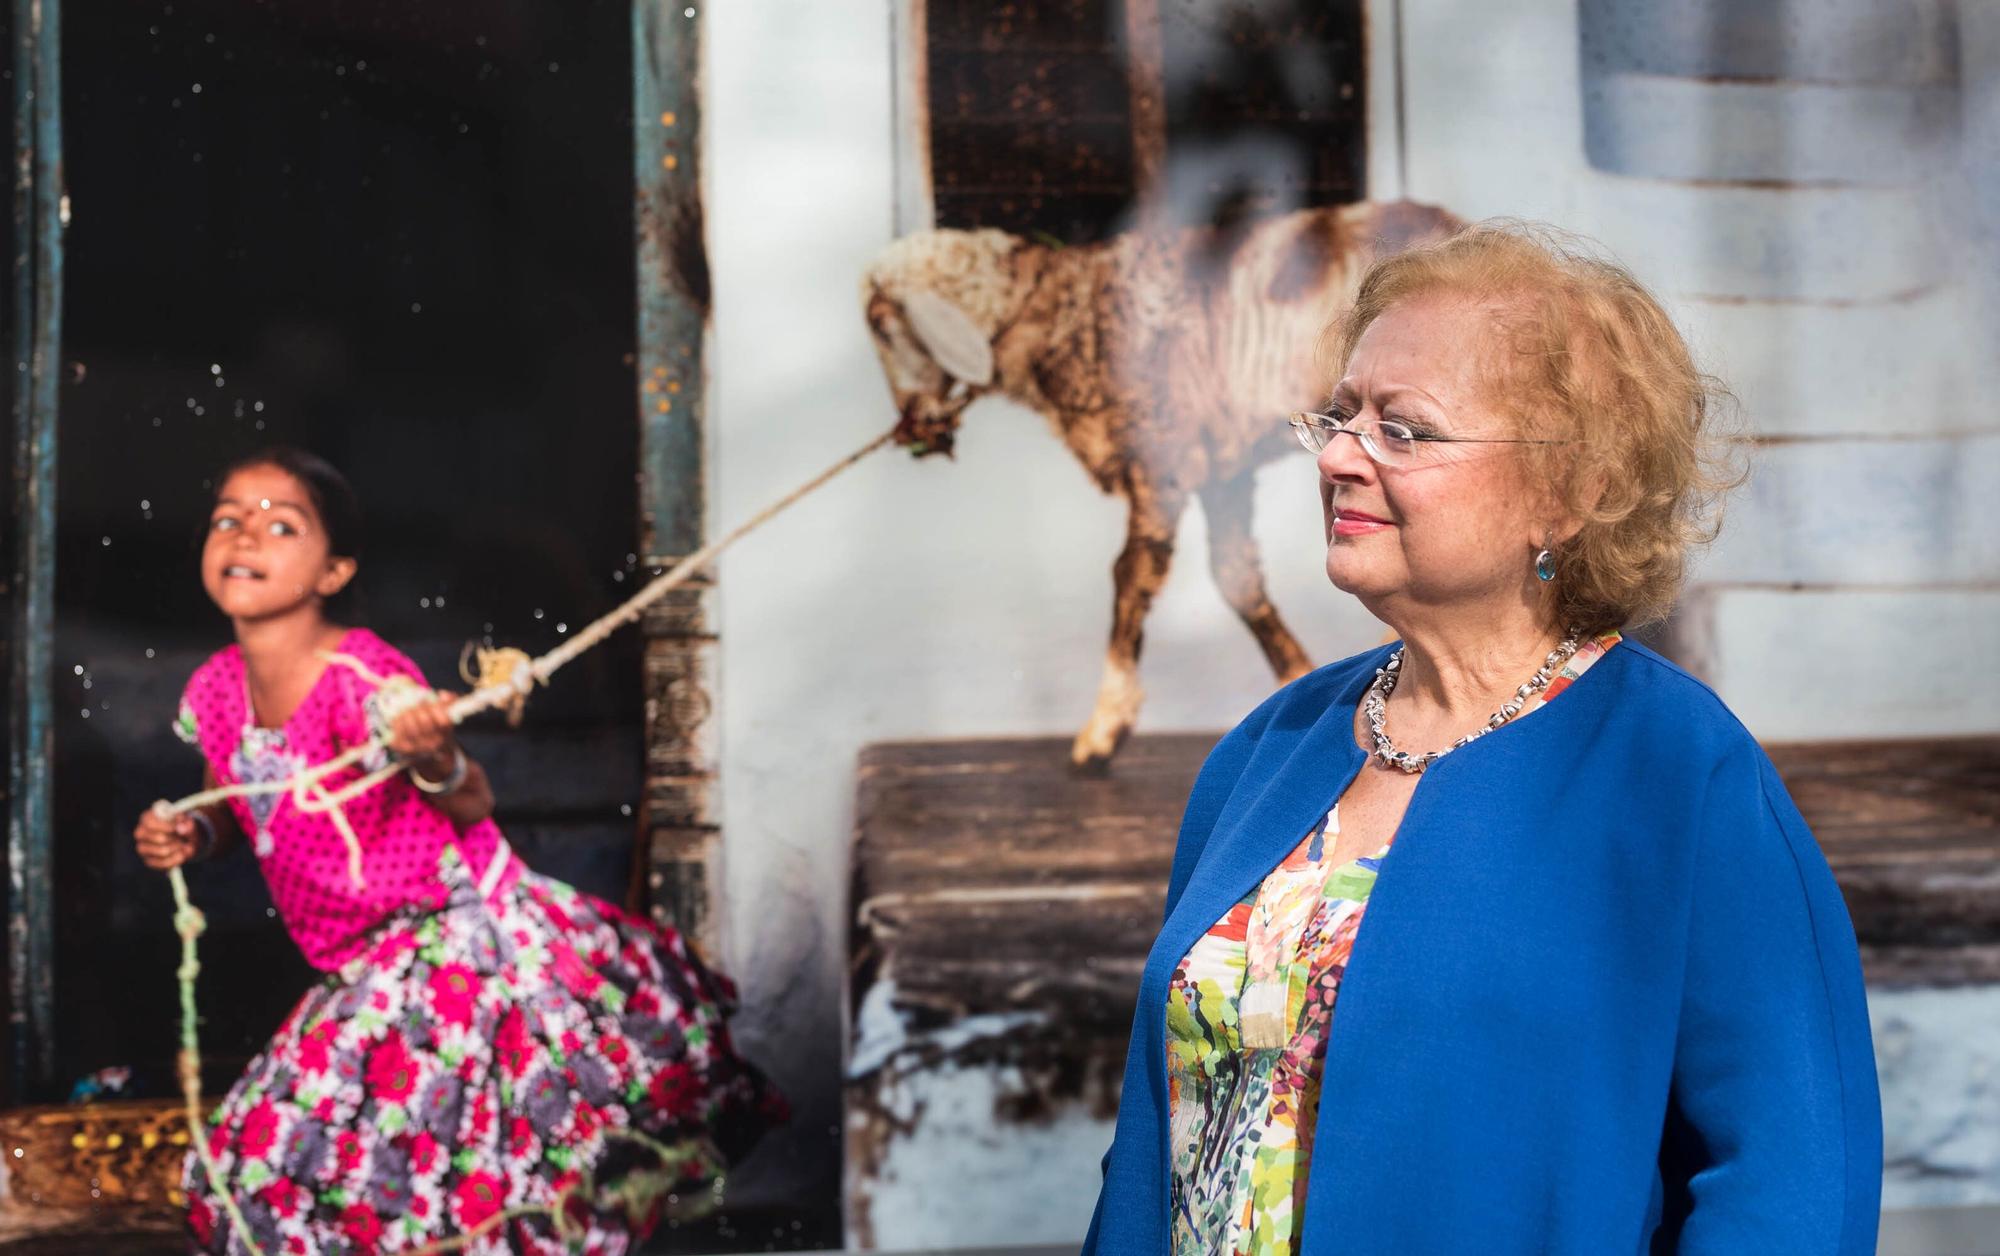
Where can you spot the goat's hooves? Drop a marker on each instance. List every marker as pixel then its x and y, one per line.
pixel 1091 753
pixel 1091 767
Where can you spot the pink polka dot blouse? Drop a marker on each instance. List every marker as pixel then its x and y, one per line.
pixel 302 855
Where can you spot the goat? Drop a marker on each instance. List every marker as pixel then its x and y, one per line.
pixel 1166 361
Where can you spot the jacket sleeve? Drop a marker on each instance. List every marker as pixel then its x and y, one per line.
pixel 1773 1138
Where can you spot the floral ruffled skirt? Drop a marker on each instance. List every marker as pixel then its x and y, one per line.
pixel 541 1068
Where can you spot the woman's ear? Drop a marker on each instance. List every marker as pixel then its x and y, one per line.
pixel 1562 520
pixel 339 572
pixel 1552 524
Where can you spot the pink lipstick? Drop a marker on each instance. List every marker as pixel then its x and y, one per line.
pixel 1347 522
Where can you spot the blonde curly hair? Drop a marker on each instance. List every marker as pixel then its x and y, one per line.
pixel 1583 355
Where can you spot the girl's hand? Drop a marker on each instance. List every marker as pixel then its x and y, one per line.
pixel 164 841
pixel 423 737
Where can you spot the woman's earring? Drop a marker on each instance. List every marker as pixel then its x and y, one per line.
pixel 1545 562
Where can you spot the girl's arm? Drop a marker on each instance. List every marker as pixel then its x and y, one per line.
pixel 468 804
pixel 167 841
pixel 449 779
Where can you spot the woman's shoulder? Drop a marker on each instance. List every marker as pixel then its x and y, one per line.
pixel 1633 688
pixel 1648 687
pixel 1650 709
pixel 1694 748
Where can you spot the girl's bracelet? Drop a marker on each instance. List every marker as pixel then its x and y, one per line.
pixel 451 782
pixel 204 838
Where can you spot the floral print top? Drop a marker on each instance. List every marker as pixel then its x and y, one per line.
pixel 1248 1012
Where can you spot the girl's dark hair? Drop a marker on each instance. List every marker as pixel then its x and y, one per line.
pixel 333 500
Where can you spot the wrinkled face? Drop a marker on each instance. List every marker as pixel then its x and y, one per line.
pixel 929 400
pixel 266 553
pixel 1459 527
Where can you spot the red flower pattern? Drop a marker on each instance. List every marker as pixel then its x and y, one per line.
pixel 362 1226
pixel 392 1070
pixel 477 1197
pixel 675 1090
pixel 454 989
pixel 260 1130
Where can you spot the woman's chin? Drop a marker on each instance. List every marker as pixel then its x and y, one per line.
pixel 1350 574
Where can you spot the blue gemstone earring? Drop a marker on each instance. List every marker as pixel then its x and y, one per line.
pixel 1545 564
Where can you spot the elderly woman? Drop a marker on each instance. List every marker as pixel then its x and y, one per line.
pixel 1607 998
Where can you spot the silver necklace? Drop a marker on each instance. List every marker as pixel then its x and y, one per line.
pixel 1385 683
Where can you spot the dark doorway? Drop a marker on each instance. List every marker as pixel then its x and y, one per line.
pixel 400 235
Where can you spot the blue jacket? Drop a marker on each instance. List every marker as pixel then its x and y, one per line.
pixel 1606 998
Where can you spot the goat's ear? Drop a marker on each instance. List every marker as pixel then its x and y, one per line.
pixel 878 310
pixel 950 336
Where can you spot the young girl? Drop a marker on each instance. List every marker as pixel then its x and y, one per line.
pixel 486 1039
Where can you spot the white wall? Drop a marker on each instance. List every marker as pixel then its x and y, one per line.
pixel 935 599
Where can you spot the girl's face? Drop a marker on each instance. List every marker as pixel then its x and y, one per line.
pixel 266 554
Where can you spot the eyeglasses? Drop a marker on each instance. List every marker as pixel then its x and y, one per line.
pixel 1388 442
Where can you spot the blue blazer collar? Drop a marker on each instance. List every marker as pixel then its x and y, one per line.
pixel 1301 770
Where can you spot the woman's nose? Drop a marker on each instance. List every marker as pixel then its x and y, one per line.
pixel 1344 460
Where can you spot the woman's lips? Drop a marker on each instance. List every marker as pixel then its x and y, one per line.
pixel 1357 523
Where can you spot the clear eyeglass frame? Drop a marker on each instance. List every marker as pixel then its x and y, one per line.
pixel 1386 441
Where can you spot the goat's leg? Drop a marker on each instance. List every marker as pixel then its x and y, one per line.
pixel 1138 574
pixel 1239 573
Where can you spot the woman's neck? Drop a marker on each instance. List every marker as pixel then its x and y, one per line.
pixel 1460 672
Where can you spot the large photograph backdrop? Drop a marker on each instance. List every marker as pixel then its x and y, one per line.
pixel 569 288
pixel 917 662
